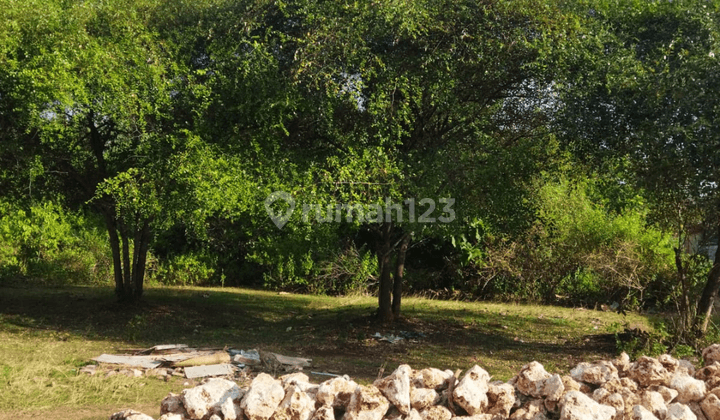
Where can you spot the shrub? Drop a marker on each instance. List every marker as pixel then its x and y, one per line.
pixel 47 243
pixel 348 271
pixel 576 252
pixel 190 269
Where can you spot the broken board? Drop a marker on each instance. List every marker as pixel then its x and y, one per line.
pixel 137 361
pixel 163 348
pixel 293 361
pixel 208 370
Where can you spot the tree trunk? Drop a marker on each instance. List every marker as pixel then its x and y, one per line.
pixel 399 272
pixel 140 250
pixel 685 298
pixel 111 226
pixel 127 268
pixel 384 294
pixel 712 287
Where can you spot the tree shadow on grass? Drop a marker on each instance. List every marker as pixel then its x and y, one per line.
pixel 338 336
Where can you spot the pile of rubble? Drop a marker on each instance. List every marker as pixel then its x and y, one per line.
pixel 660 388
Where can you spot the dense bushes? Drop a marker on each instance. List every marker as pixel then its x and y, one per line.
pixel 577 251
pixel 46 243
pixel 316 259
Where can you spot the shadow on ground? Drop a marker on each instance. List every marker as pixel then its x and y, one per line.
pixel 336 333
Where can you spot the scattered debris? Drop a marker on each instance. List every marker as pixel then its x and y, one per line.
pixel 167 360
pixel 392 339
pixel 251 357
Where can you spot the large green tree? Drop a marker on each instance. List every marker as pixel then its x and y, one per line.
pixel 438 100
pixel 99 96
pixel 645 92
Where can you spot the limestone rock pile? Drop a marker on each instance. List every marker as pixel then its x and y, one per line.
pixel 661 388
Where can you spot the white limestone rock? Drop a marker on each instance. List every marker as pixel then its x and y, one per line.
pixel 325 412
pixel 422 398
pixel 263 397
pixel 710 375
pixel 171 416
pixel 711 406
pixel 534 410
pixel 648 371
pixel 130 415
pixel 697 410
pixel 471 392
pixel 655 403
pixel 641 413
pixel 531 379
pixel 622 364
pixel 367 403
pixel 501 399
pixel 680 412
pixel 297 405
pixel 711 354
pixel 668 394
pixel 336 392
pixel 596 373
pixel 578 406
pixel 687 367
pixel 396 388
pixel 207 398
pixel 436 412
pixel 430 378
pixel 612 399
pixel 173 404
pixel 689 389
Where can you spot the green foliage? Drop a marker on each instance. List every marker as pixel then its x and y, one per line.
pixel 346 272
pixel 293 259
pixel 189 269
pixel 51 244
pixel 639 342
pixel 577 251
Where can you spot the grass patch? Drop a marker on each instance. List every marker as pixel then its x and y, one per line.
pixel 47 334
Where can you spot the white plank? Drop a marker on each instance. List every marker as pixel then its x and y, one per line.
pixel 138 361
pixel 208 370
pixel 293 361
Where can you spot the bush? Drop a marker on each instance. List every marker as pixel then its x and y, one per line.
pixel 49 244
pixel 315 259
pixel 347 272
pixel 191 269
pixel 577 252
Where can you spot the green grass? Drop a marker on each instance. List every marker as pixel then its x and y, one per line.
pixel 47 334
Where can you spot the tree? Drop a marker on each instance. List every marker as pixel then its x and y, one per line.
pixel 645 90
pixel 423 100
pixel 96 89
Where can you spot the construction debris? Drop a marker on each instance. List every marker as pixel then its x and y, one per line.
pixel 392 339
pixel 208 370
pixel 194 363
pixel 219 357
pixel 146 362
